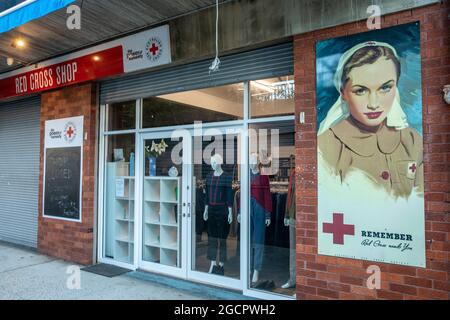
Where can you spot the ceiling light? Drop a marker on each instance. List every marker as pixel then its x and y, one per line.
pixel 19 43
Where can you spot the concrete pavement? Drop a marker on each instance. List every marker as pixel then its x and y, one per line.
pixel 27 275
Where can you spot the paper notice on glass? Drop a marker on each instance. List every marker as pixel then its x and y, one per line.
pixel 118 155
pixel 120 187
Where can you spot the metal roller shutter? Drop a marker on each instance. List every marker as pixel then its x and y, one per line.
pixel 257 64
pixel 19 171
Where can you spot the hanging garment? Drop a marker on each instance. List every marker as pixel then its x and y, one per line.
pixel 236 211
pixel 199 209
pixel 290 207
pixel 270 230
pixel 292 252
pixel 281 232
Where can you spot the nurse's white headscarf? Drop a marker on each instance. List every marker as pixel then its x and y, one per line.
pixel 339 111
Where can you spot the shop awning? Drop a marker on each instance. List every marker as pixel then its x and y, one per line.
pixel 26 11
pixel 47 36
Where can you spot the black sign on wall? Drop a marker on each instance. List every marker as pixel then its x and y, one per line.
pixel 63 169
pixel 62 183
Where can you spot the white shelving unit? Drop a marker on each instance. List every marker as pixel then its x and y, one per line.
pixel 161 217
pixel 119 212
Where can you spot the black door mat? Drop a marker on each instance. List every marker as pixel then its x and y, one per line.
pixel 106 270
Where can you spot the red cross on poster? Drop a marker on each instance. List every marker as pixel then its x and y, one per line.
pixel 338 228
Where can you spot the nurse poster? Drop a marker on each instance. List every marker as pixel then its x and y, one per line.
pixel 370 148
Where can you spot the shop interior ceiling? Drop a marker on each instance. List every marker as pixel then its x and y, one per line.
pixel 101 20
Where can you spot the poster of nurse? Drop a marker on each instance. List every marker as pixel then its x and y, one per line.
pixel 370 148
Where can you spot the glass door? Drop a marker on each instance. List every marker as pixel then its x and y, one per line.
pixel 164 181
pixel 189 228
pixel 214 226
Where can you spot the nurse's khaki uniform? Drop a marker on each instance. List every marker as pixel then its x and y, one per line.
pixel 392 159
pixel 374 182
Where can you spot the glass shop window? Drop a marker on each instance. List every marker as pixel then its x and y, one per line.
pixel 121 116
pixel 272 207
pixel 217 198
pixel 224 103
pixel 272 97
pixel 119 198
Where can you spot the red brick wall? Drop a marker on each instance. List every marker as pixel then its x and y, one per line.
pixel 71 241
pixel 322 277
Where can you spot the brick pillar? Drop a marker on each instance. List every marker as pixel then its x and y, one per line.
pixel 322 277
pixel 68 240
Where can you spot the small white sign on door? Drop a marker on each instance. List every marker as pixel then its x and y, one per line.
pixel 120 187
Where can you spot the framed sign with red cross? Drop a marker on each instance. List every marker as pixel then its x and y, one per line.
pixel 63 169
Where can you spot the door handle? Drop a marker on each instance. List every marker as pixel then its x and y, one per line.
pixel 184 214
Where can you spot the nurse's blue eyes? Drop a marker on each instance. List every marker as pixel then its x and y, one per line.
pixel 361 91
pixel 386 88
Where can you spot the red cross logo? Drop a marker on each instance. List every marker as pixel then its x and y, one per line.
pixel 154 49
pixel 70 132
pixel 413 168
pixel 338 228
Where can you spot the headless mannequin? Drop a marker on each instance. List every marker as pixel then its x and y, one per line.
pixel 254 167
pixel 216 164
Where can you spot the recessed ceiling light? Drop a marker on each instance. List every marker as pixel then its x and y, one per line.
pixel 19 43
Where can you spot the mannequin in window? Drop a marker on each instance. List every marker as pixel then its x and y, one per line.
pixel 260 212
pixel 218 213
pixel 289 221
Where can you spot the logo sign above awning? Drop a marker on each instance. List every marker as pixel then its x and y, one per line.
pixel 141 51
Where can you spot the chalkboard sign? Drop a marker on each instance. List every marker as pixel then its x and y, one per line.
pixel 62 183
pixel 63 169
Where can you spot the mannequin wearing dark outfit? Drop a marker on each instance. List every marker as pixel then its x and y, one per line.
pixel 218 199
pixel 218 213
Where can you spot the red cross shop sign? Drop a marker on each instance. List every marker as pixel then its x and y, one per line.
pixel 143 50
